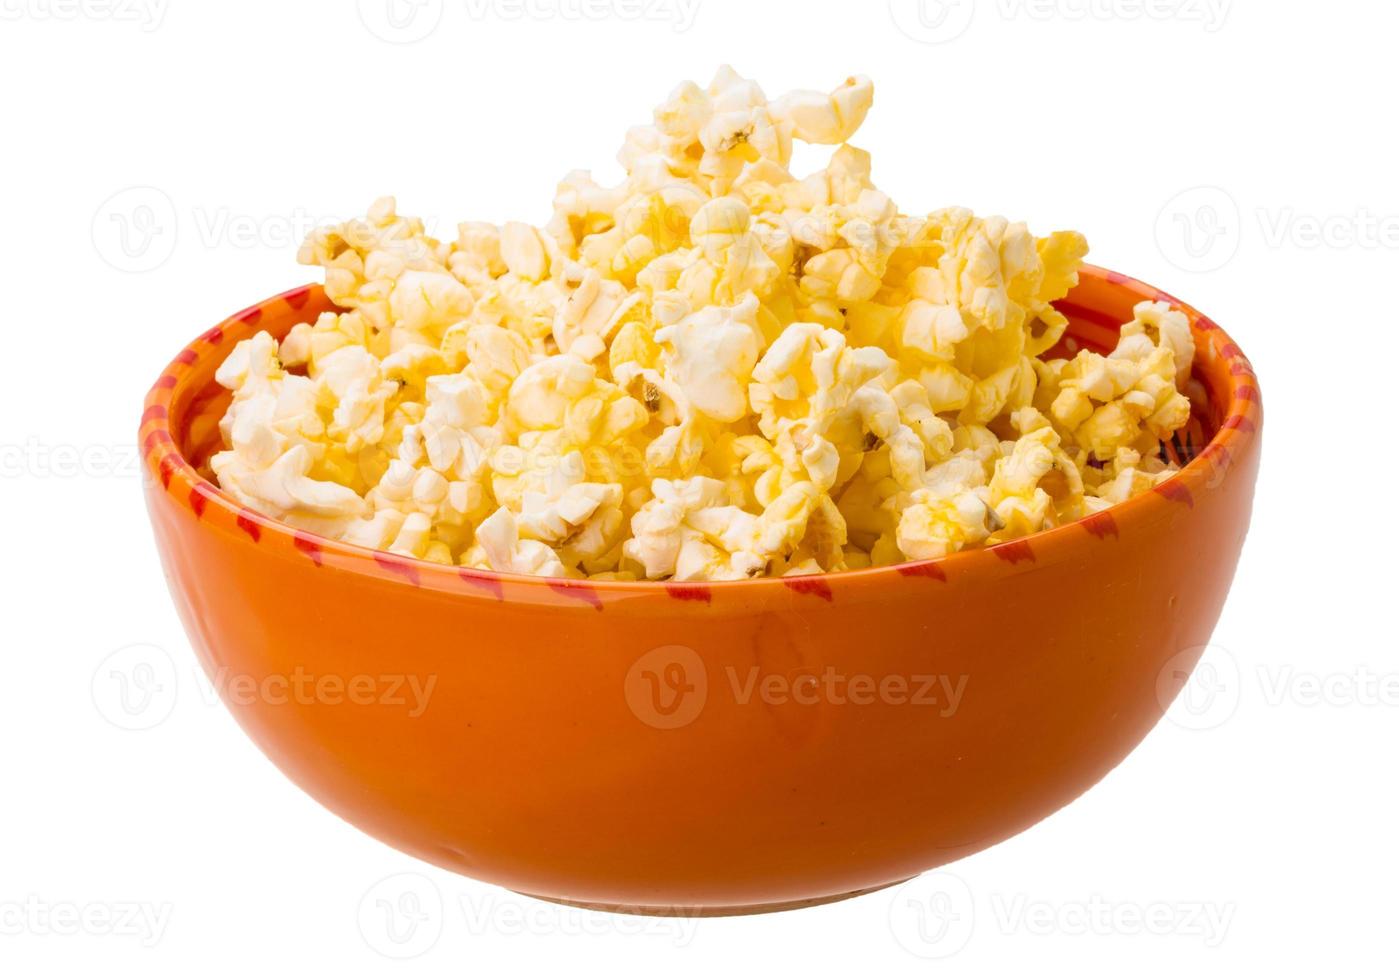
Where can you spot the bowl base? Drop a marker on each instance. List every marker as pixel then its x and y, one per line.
pixel 693 912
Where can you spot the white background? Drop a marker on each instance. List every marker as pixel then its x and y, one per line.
pixel 1254 828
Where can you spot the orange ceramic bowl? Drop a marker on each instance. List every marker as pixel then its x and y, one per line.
pixel 703 748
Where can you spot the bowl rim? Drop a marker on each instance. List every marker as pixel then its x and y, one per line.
pixel 163 460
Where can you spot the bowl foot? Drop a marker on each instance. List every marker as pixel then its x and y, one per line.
pixel 684 911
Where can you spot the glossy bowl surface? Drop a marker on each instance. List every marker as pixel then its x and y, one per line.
pixel 704 748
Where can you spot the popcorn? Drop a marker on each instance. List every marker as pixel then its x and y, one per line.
pixel 1108 403
pixel 937 524
pixel 283 490
pixel 1126 475
pixel 500 548
pixel 351 384
pixel 426 303
pixel 711 357
pixel 714 369
pixel 690 530
pixel 1157 325
pixel 819 118
pixel 542 393
pixel 364 258
pixel 523 251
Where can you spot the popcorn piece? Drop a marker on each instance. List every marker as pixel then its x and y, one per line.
pixel 712 357
pixel 935 525
pixel 667 542
pixel 363 259
pixel 1157 325
pixel 500 548
pixel 818 118
pixel 714 369
pixel 523 251
pixel 1108 403
pixel 426 303
pixel 581 520
pixel 284 491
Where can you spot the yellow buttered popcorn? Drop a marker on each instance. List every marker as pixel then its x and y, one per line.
pixel 714 369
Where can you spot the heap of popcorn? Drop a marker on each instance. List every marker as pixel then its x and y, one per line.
pixel 715 370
